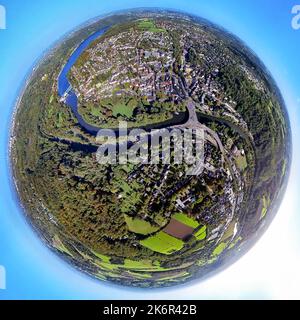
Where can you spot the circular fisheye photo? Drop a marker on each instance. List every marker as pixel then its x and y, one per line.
pixel 150 148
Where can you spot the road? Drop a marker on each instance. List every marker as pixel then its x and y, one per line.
pixel 193 123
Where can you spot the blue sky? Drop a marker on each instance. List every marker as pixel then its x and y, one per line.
pixel 269 270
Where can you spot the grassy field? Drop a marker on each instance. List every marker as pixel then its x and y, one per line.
pixel 235 242
pixel 229 231
pixel 241 162
pixel 107 266
pixel 163 243
pixel 140 275
pixel 219 249
pixel 141 264
pixel 139 226
pixel 201 233
pixel 185 220
pixel 102 257
pixel 96 111
pixel 123 110
pixel 126 187
pixel 175 276
pixel 266 204
pixel 58 244
pixel 148 25
pixel 284 167
pixel 60 120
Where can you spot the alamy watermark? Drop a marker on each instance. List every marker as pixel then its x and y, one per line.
pixel 176 145
pixel 296 18
pixel 2 17
pixel 2 278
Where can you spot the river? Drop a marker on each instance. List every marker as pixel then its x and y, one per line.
pixel 64 85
